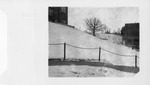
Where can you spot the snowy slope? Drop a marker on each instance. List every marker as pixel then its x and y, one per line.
pixel 60 33
pixel 110 37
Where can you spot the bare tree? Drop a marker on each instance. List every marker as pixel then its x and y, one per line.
pixel 94 25
pixel 104 28
pixel 117 32
pixel 108 31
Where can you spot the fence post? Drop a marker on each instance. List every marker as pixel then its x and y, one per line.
pixel 65 51
pixel 99 54
pixel 135 60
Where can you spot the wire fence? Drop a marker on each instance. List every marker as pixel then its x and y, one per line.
pixel 117 53
pixel 99 48
pixel 80 47
pixel 57 44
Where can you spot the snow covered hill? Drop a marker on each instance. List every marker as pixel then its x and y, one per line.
pixel 61 33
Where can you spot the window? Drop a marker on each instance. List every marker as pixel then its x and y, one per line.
pixel 63 9
pixel 136 40
pixel 63 21
pixel 50 12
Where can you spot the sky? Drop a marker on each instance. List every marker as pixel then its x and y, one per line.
pixel 112 17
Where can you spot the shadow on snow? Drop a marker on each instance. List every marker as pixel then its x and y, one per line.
pixel 131 69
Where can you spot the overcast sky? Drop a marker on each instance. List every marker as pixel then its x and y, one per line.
pixel 113 17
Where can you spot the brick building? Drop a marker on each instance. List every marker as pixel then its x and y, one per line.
pixel 58 14
pixel 130 33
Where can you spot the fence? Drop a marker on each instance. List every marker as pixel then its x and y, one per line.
pixel 99 48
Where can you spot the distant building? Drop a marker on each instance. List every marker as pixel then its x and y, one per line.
pixel 130 33
pixel 58 14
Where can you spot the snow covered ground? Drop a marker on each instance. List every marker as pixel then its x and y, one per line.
pixel 86 71
pixel 61 33
pixel 110 37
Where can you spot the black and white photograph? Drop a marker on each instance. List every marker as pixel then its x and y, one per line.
pixel 74 42
pixel 93 41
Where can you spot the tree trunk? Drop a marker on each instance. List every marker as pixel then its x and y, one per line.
pixel 94 33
